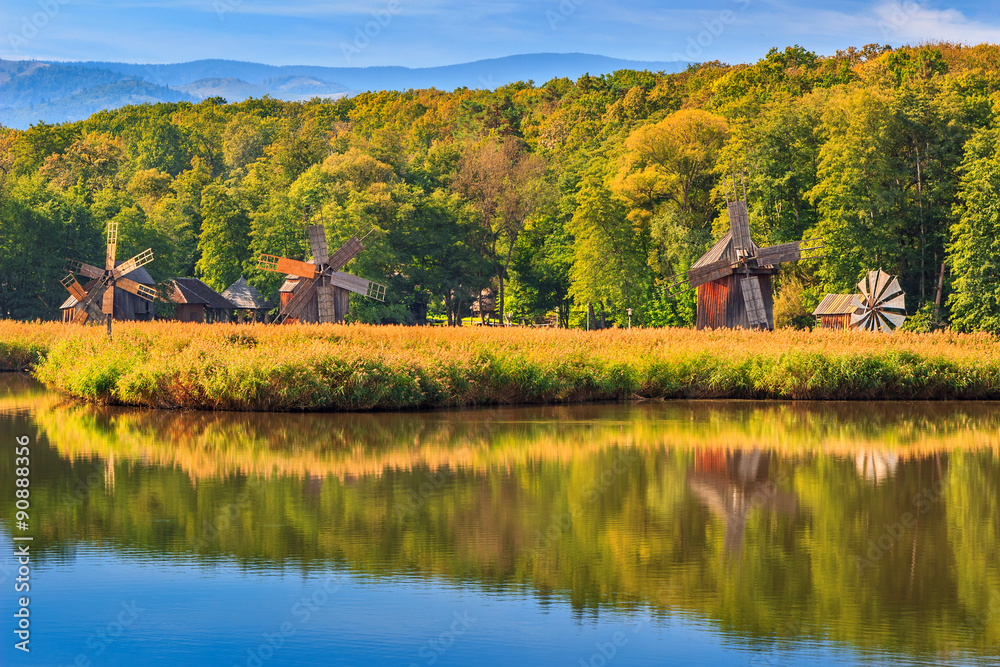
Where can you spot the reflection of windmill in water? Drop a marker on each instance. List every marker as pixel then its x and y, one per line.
pixel 875 466
pixel 733 278
pixel 104 286
pixel 731 483
pixel 317 291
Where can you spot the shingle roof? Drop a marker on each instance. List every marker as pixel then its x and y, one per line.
pixel 836 304
pixel 138 274
pixel 244 295
pixel 192 290
pixel 723 249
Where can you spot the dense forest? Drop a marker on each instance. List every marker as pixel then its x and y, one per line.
pixel 558 196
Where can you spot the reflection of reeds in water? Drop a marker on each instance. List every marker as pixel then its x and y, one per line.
pixel 206 444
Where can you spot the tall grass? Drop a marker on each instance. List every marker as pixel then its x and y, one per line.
pixel 357 367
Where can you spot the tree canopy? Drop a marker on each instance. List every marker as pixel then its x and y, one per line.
pixel 561 197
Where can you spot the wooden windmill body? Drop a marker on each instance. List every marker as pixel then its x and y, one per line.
pixel 101 299
pixel 733 278
pixel 317 291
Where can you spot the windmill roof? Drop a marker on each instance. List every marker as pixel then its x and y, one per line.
pixel 192 290
pixel 836 304
pixel 244 295
pixel 723 249
pixel 138 274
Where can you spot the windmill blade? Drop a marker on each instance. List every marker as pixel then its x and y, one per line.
pixel 739 225
pixel 108 301
pixel 882 281
pixel 712 271
pixel 140 290
pixel 892 290
pixel 865 292
pixel 899 303
pixel 857 319
pixel 84 307
pixel 345 253
pixel 287 266
pixel 754 302
pixel 127 267
pixel 894 319
pixel 300 299
pixel 74 287
pixel 317 241
pixel 856 303
pixel 358 285
pixel 88 270
pixel 776 254
pixel 109 262
pixel 324 304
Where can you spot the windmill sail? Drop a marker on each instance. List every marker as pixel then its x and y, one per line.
pixel 754 302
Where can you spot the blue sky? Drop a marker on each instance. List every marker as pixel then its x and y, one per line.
pixel 418 33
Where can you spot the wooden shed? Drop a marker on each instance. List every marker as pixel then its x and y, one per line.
pixel 197 302
pixel 128 306
pixel 722 302
pixel 835 310
pixel 247 300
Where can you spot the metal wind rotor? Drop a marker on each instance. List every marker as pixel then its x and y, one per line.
pixel 881 305
pixel 321 276
pixel 103 282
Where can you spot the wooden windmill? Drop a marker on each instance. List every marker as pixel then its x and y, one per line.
pixel 320 290
pixel 733 278
pixel 101 287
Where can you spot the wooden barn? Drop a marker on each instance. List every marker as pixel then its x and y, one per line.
pixel 835 310
pixel 197 302
pixel 484 304
pixel 248 301
pixel 127 306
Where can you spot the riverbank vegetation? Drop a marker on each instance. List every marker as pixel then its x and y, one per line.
pixel 362 367
pixel 557 194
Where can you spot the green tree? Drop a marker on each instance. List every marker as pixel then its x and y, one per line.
pixel 225 237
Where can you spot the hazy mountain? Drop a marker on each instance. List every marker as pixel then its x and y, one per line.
pixel 32 91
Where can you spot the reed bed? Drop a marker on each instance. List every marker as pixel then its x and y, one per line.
pixel 359 367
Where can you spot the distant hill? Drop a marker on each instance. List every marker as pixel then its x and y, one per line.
pixel 31 91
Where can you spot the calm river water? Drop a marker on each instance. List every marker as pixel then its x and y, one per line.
pixel 681 533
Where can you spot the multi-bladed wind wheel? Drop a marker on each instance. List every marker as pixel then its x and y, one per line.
pixel 101 287
pixel 881 304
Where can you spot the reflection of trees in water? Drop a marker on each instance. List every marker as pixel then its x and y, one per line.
pixel 784 518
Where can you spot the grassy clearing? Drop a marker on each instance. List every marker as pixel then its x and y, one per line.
pixel 356 367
